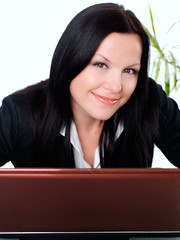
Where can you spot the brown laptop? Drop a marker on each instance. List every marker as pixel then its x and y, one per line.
pixel 56 200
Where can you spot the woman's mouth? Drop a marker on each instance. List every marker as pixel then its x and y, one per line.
pixel 106 100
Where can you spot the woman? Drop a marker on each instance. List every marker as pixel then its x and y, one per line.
pixel 98 108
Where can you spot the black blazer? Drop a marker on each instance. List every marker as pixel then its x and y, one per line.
pixel 15 134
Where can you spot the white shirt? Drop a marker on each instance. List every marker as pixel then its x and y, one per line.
pixel 78 153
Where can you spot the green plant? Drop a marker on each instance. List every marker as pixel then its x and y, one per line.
pixel 166 57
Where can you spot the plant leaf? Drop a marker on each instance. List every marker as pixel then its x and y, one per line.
pixel 167 77
pixel 171 27
pixel 154 42
pixel 153 67
pixel 157 69
pixel 175 69
pixel 152 21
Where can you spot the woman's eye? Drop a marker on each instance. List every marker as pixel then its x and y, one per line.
pixel 100 65
pixel 130 71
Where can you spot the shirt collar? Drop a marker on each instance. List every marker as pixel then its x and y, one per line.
pixel 78 153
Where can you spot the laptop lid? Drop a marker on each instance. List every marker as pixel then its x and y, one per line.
pixel 57 200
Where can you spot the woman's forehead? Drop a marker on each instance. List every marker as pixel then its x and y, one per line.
pixel 120 45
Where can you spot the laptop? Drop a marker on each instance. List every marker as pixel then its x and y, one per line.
pixel 79 201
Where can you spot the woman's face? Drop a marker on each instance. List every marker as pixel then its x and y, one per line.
pixel 110 78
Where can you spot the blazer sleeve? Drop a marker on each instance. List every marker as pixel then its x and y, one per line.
pixel 169 125
pixel 15 137
pixel 8 130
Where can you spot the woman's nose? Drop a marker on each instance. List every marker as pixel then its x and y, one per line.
pixel 114 82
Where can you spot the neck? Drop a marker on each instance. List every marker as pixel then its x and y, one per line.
pixel 88 124
pixel 89 132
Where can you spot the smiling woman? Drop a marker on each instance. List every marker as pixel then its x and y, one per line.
pixel 109 80
pixel 104 86
pixel 98 108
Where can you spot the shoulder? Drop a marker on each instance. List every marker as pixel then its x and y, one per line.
pixel 160 98
pixel 16 108
pixel 15 125
pixel 169 123
pixel 22 100
pixel 15 103
pixel 12 110
pixel 166 110
pixel 156 91
pixel 15 115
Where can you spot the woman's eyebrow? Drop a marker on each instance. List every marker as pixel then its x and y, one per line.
pixel 103 57
pixel 135 64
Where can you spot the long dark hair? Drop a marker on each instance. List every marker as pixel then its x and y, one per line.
pixel 51 110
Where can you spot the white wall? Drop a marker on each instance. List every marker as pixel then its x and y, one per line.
pixel 30 30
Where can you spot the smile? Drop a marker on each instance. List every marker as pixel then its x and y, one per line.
pixel 105 100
